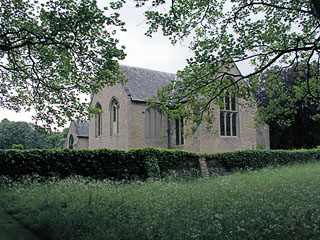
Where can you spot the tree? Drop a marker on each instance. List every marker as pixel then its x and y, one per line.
pixel 264 33
pixel 17 146
pixel 29 136
pixel 13 133
pixel 52 52
pixel 284 104
pixel 55 139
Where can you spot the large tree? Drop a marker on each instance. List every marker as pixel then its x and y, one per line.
pixel 263 33
pixel 29 136
pixel 51 52
pixel 288 109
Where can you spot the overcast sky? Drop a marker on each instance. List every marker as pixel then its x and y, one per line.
pixel 153 53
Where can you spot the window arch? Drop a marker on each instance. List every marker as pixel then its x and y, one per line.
pixel 71 141
pixel 179 131
pixel 153 120
pixel 114 116
pixel 229 122
pixel 98 121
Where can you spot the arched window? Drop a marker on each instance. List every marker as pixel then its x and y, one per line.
pixel 229 116
pixel 153 120
pixel 98 121
pixel 71 141
pixel 179 131
pixel 228 123
pixel 114 116
pixel 222 123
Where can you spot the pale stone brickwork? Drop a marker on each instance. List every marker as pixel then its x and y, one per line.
pixel 138 128
pixel 263 138
pixel 82 143
pixel 118 140
pixel 135 123
pixel 204 168
pixel 77 137
pixel 211 140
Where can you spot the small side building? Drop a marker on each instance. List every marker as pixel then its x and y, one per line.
pixel 78 135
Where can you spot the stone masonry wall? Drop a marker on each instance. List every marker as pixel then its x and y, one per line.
pixel 106 140
pixel 79 142
pixel 211 141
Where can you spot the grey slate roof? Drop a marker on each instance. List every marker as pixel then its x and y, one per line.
pixel 82 128
pixel 143 83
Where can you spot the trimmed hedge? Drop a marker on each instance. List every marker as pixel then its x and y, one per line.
pixel 102 163
pixel 138 163
pixel 98 164
pixel 256 159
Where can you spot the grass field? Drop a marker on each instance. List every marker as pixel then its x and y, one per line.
pixel 274 203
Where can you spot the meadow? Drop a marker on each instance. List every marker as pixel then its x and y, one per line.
pixel 272 203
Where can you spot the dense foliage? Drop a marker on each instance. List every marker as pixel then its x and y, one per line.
pixel 264 33
pixel 275 203
pixel 286 106
pixel 139 163
pixel 257 159
pixel 23 135
pixel 52 51
pixel 99 164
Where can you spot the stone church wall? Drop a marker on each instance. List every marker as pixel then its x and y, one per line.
pixel 263 137
pixel 106 139
pixel 138 128
pixel 82 143
pixel 206 140
pixel 78 142
pixel 133 133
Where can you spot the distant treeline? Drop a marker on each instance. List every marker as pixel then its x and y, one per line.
pixel 23 135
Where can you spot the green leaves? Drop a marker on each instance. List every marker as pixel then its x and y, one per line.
pixel 289 102
pixel 140 163
pixel 28 136
pixel 263 33
pixel 54 51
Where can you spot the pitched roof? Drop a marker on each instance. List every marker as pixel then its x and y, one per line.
pixel 82 128
pixel 143 83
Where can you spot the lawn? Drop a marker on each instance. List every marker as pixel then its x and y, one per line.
pixel 273 203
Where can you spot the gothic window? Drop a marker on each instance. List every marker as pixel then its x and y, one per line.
pixel 71 141
pixel 179 131
pixel 228 116
pixel 153 120
pixel 98 121
pixel 114 116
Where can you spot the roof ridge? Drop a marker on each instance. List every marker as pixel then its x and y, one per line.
pixel 123 65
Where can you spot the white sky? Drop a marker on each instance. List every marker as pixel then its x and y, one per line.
pixel 153 53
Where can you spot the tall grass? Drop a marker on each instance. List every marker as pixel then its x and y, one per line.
pixel 274 203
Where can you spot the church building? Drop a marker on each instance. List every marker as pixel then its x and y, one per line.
pixel 126 121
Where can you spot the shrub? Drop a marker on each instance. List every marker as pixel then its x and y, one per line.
pixel 17 146
pixel 139 163
pixel 102 163
pixel 256 159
